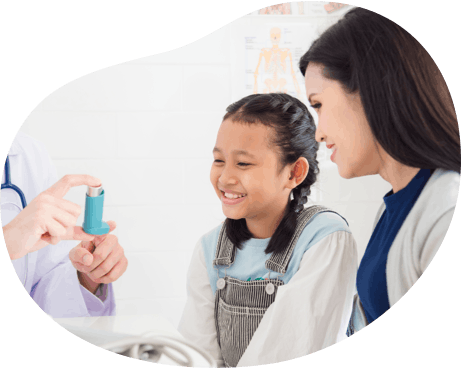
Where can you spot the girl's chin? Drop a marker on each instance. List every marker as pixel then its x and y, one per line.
pixel 233 215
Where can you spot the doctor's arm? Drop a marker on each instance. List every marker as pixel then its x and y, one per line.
pixel 58 286
pixel 61 290
pixel 197 323
pixel 312 311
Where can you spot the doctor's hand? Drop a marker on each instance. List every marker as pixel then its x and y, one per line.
pixel 101 261
pixel 48 218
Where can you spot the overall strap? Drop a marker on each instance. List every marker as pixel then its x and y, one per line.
pixel 279 262
pixel 225 250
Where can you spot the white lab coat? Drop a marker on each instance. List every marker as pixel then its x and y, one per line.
pixel 51 278
pixel 310 312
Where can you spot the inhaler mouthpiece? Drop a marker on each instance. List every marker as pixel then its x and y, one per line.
pixel 94 203
pixel 94 191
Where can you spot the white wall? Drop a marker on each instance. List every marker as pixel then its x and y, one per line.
pixel 146 128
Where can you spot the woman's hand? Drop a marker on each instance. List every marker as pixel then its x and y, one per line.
pixel 99 261
pixel 48 218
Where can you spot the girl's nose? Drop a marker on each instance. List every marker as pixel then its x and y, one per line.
pixel 227 180
pixel 227 177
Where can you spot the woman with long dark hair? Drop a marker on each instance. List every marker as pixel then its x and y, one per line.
pixel 384 108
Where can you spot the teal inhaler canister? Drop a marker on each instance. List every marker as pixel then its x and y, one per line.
pixel 94 203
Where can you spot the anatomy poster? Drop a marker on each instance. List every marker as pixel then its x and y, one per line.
pixel 279 9
pixel 266 59
pixel 309 8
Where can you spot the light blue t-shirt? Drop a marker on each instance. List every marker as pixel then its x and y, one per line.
pixel 249 263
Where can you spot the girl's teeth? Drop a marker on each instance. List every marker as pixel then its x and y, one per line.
pixel 233 196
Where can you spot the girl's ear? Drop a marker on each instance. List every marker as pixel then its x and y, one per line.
pixel 298 172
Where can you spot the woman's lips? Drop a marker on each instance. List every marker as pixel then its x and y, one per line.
pixel 332 146
pixel 332 157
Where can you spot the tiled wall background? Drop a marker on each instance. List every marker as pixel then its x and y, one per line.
pixel 146 128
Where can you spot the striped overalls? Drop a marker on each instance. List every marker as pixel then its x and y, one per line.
pixel 240 305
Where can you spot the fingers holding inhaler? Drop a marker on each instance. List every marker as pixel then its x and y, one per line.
pixel 48 218
pixel 61 188
pixel 92 225
pixel 102 260
pixel 83 257
pixel 72 233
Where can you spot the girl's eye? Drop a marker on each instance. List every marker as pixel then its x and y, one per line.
pixel 218 161
pixel 243 164
pixel 316 106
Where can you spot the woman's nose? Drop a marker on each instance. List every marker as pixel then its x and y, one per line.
pixel 319 135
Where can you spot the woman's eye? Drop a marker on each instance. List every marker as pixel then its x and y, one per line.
pixel 316 106
pixel 218 161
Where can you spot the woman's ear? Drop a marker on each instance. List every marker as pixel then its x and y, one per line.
pixel 298 172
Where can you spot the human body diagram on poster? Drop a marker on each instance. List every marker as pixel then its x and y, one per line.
pixel 275 64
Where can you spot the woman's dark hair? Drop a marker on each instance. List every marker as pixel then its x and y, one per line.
pixel 294 136
pixel 406 100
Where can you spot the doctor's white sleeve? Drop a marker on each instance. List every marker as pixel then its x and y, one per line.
pixel 312 311
pixel 56 288
pixel 197 323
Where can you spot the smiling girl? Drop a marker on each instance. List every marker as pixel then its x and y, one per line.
pixel 276 280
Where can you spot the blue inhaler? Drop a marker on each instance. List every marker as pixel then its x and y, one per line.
pixel 94 203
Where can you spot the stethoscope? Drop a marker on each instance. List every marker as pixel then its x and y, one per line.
pixel 9 185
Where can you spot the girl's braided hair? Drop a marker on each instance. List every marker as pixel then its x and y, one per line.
pixel 294 136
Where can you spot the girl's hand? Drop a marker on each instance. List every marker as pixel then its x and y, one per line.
pixel 100 261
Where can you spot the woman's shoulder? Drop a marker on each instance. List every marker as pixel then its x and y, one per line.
pixel 422 233
pixel 439 195
pixel 443 186
pixel 428 221
pixel 436 203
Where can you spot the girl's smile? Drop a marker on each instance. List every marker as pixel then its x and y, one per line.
pixel 232 200
pixel 229 197
pixel 246 174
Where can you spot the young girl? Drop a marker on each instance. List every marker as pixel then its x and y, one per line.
pixel 384 108
pixel 275 281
